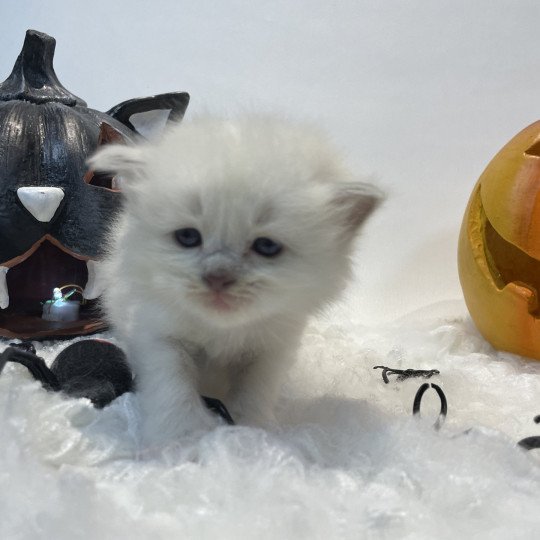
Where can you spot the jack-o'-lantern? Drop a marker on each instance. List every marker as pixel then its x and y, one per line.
pixel 54 212
pixel 499 247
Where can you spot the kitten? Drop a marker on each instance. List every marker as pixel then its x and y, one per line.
pixel 232 234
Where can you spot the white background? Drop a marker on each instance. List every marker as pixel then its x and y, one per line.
pixel 420 94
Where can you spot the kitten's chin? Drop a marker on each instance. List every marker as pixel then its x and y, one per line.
pixel 223 310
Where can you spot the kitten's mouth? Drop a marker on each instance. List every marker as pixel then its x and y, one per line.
pixel 29 279
pixel 222 301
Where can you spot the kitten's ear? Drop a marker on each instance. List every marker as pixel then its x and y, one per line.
pixel 127 161
pixel 354 203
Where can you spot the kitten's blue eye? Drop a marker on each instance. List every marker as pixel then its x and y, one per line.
pixel 266 247
pixel 188 237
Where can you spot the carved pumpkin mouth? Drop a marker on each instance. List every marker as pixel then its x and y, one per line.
pixel 509 264
pixel 506 264
pixel 30 280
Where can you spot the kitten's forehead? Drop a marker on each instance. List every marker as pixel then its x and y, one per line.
pixel 235 206
pixel 238 174
pixel 250 186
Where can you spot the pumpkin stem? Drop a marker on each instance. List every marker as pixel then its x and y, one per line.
pixel 33 78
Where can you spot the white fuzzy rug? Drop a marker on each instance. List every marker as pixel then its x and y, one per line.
pixel 348 462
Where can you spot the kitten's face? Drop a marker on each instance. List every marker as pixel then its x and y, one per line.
pixel 234 256
pixel 235 229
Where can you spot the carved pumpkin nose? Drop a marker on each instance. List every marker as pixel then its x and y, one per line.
pixel 41 202
pixel 219 281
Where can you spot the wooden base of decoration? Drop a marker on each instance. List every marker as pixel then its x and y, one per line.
pixel 32 327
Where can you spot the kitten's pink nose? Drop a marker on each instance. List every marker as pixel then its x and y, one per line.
pixel 219 281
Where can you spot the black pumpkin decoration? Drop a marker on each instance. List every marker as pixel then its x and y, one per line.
pixel 53 211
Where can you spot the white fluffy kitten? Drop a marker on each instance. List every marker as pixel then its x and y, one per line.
pixel 232 234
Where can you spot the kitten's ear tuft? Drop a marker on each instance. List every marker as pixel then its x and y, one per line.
pixel 128 161
pixel 355 202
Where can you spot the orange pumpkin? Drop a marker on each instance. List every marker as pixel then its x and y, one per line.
pixel 499 247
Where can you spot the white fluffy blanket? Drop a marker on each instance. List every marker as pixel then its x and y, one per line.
pixel 349 460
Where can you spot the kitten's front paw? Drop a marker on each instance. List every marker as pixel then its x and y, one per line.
pixel 171 428
pixel 200 421
pixel 252 413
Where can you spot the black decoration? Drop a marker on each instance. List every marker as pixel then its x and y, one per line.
pixel 444 405
pixel 531 443
pixel 403 374
pixel 35 365
pixel 176 102
pixel 46 135
pixel 33 78
pixel 91 368
pixel 217 407
pixel 94 369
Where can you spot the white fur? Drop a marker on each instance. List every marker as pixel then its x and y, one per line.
pixel 234 181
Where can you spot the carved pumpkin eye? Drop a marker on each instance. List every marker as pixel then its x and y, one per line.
pixel 104 180
pixel 107 135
